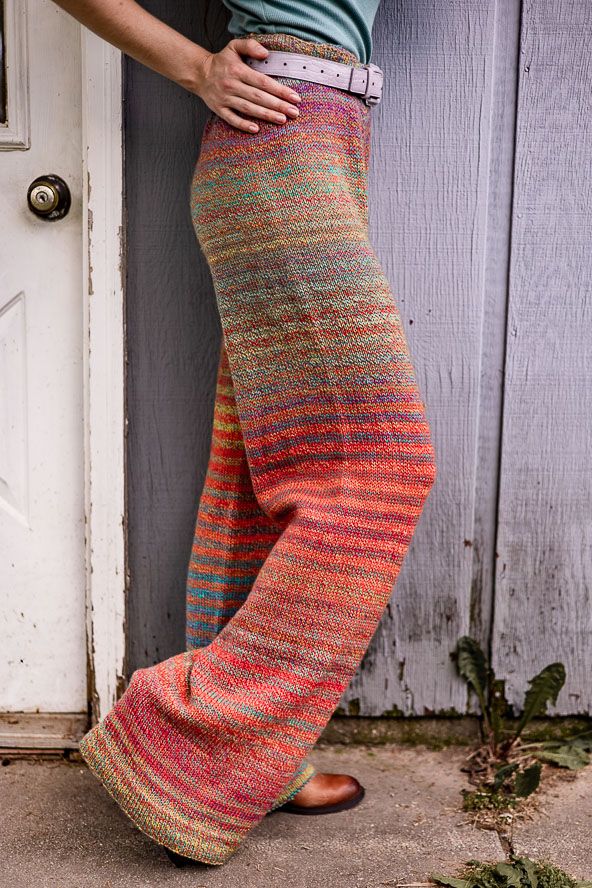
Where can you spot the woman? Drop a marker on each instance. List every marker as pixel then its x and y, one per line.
pixel 321 458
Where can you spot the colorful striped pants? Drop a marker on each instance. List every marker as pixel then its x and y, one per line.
pixel 320 465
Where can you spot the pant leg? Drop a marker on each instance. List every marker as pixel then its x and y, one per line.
pixel 232 538
pixel 338 447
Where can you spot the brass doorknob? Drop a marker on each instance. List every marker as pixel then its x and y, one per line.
pixel 49 197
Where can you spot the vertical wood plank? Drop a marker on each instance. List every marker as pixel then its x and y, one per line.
pixel 544 568
pixel 495 292
pixel 429 201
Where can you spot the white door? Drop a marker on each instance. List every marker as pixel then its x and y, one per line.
pixel 42 519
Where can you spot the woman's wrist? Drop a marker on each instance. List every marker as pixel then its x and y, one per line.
pixel 187 68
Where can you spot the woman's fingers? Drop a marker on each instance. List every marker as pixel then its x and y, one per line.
pixel 253 110
pixel 267 85
pixel 247 46
pixel 256 102
pixel 257 87
pixel 260 104
pixel 233 119
pixel 259 95
pixel 229 85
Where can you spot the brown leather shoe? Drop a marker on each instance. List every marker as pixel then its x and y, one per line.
pixel 325 794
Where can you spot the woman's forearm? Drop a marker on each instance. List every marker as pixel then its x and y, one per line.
pixel 144 37
pixel 222 79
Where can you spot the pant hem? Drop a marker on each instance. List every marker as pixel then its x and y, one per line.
pixel 200 845
pixel 190 841
pixel 294 786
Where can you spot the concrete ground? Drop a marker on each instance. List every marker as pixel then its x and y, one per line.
pixel 60 828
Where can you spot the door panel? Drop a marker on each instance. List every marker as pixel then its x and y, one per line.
pixel 42 521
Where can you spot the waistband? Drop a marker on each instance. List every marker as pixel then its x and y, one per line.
pixel 291 43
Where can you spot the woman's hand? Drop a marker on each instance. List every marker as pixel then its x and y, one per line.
pixel 228 85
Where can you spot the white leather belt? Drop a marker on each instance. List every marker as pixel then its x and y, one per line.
pixel 364 81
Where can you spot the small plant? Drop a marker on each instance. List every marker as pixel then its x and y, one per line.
pixel 518 872
pixel 508 785
pixel 505 769
pixel 491 693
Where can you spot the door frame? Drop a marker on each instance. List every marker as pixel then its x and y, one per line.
pixel 104 361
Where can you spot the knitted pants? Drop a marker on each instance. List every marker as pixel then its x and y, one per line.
pixel 320 465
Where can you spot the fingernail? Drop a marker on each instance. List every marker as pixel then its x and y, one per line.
pixel 295 97
pixel 253 127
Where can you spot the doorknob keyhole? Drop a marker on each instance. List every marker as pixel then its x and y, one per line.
pixel 49 197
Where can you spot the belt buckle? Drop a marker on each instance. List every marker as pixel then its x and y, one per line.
pixel 373 92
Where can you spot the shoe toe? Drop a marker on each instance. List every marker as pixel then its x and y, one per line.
pixel 348 786
pixel 337 792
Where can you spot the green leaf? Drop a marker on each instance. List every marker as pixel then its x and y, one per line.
pixel 581 741
pixel 565 756
pixel 511 875
pixel 449 880
pixel 527 781
pixel 500 708
pixel 503 773
pixel 544 688
pixel 472 666
pixel 584 741
pixel 530 870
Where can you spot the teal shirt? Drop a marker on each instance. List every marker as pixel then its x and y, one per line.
pixel 345 22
